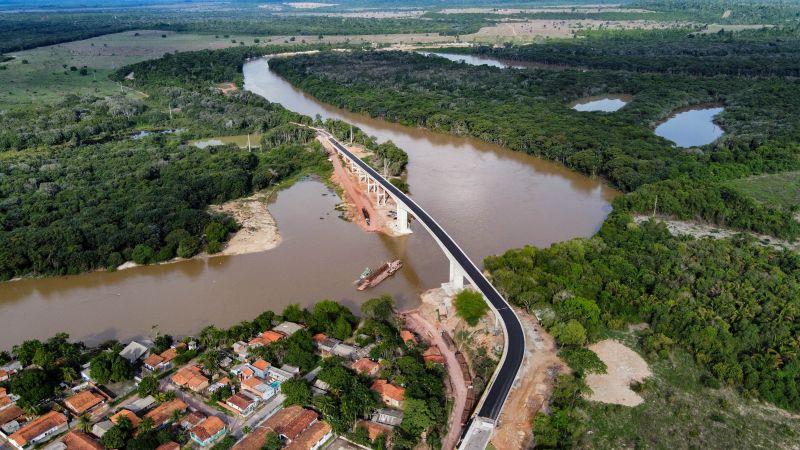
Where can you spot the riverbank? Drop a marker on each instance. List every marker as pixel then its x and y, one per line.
pixel 259 230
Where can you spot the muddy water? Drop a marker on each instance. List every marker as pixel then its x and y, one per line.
pixel 488 198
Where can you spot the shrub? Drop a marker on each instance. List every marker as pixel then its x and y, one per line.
pixel 470 306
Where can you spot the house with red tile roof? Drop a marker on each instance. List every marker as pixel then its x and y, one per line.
pixel 312 438
pixel 39 430
pixel 76 440
pixel 433 355
pixel 390 394
pixel 190 377
pixel 376 429
pixel 208 431
pixel 192 419
pixel 163 413
pixel 408 337
pixel 83 402
pixel 367 367
pixel 171 445
pixel 133 418
pixel 240 404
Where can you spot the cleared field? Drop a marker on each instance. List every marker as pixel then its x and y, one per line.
pixel 781 189
pixel 678 412
pixel 45 74
pixel 532 30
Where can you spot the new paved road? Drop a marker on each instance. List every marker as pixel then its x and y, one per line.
pixel 507 371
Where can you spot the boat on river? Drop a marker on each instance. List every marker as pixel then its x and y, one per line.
pixel 383 272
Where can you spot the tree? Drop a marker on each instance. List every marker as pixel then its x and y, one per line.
pixel 32 386
pixel 188 247
pixel 116 437
pixel 109 366
pixel 146 425
pixel 272 442
pixel 470 306
pixel 294 313
pixel 85 423
pixel 216 232
pixel 379 308
pixel 161 343
pixel 571 333
pixel 297 392
pixel 148 386
pixel 143 254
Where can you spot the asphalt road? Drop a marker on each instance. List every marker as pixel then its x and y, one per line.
pixel 515 350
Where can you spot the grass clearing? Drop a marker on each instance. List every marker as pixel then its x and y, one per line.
pixel 679 413
pixel 780 189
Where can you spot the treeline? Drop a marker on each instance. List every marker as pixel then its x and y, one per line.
pixel 536 119
pixel 749 53
pixel 725 300
pixel 714 11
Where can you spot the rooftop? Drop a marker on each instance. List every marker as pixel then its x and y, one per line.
pixel 83 401
pixel 240 401
pixel 125 413
pixel 208 428
pixel 309 438
pixel 163 413
pixel 261 365
pixel 288 328
pixel 35 428
pixel 365 366
pixel 387 389
pixel 171 445
pixel 76 440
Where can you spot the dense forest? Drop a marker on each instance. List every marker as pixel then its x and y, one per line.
pixel 764 52
pixel 93 182
pixel 621 147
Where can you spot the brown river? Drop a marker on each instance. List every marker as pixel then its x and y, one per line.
pixel 488 198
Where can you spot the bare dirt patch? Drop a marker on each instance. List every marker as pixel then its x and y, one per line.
pixel 533 387
pixel 625 366
pixel 259 231
pixel 559 28
pixel 227 88
pixel 703 230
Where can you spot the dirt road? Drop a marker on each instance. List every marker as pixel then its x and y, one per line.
pixel 532 389
pixel 432 334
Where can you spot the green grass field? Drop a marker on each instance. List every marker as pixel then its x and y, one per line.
pixel 782 189
pixel 43 74
pixel 680 413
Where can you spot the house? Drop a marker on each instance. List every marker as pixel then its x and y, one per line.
pixel 83 402
pixel 4 375
pixel 433 355
pixel 367 367
pixel 9 369
pixel 288 328
pixel 76 440
pixel 100 428
pixel 320 387
pixel 327 345
pixel 259 387
pixel 241 404
pixel 219 384
pixel 134 351
pixel 161 362
pixel 289 423
pixel 260 367
pixel 133 418
pixel 408 337
pixel 294 371
pixel 376 429
pixel 240 348
pixel 39 430
pixel 171 445
pixel 142 404
pixel 208 431
pixel 390 394
pixel 243 371
pixel 190 377
pixel 344 351
pixel 164 412
pixel 192 420
pixel 279 375
pixel 265 338
pixel 391 417
pixel 312 438
pixel 319 338
pixel 10 414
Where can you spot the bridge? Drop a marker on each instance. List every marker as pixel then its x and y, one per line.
pixel 481 424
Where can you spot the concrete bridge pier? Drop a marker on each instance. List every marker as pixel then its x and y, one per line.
pixel 457 275
pixel 402 219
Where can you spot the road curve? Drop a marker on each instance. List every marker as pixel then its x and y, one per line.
pixel 514 350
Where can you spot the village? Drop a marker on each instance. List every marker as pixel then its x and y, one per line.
pixel 209 391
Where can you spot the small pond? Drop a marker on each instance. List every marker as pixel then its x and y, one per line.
pixel 692 126
pixel 240 140
pixel 603 103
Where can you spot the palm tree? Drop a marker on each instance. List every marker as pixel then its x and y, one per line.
pixel 85 423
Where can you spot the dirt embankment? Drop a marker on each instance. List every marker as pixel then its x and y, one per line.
pixel 533 387
pixel 625 366
pixel 259 230
pixel 357 199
